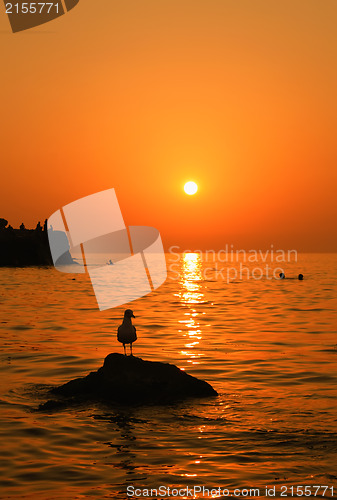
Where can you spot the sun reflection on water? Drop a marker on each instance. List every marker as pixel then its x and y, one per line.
pixel 190 295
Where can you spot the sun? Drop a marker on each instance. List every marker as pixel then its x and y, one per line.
pixel 190 188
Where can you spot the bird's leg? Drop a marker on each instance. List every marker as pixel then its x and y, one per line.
pixel 124 350
pixel 131 348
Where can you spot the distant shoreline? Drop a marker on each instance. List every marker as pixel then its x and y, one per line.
pixel 25 247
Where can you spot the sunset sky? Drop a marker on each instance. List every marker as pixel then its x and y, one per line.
pixel 238 96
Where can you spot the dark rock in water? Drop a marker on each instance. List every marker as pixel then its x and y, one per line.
pixel 130 380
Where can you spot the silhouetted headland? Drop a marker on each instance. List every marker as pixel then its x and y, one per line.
pixel 27 247
pixel 129 380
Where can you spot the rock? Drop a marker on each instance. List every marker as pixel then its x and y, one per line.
pixel 130 380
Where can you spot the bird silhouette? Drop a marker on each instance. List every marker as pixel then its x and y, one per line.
pixel 126 333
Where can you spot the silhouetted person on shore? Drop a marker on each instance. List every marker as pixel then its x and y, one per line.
pixel 300 277
pixel 3 223
pixel 45 225
pixel 282 276
pixel 126 333
pixel 38 228
pixel 22 227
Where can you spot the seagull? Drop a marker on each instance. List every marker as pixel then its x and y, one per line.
pixel 126 333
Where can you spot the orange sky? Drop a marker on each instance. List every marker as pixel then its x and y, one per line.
pixel 237 95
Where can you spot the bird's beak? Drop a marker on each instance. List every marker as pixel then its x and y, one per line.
pixel 133 316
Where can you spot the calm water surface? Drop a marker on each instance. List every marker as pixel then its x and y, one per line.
pixel 269 347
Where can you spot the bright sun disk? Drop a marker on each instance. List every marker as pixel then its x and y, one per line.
pixel 190 188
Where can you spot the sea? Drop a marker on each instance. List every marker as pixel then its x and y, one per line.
pixel 267 345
